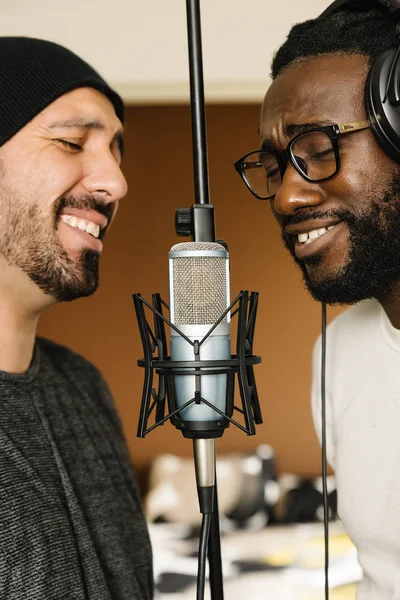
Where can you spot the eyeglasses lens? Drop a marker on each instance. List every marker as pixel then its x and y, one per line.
pixel 312 153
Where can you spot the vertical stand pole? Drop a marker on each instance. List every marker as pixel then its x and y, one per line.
pixel 199 138
pixel 202 197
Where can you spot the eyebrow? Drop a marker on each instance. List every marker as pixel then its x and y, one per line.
pixel 293 129
pixel 89 124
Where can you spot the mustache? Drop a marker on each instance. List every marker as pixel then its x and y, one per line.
pixel 85 203
pixel 308 214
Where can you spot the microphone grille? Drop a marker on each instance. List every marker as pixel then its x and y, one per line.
pixel 200 286
pixel 197 246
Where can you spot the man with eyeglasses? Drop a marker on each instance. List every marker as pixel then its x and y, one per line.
pixel 336 196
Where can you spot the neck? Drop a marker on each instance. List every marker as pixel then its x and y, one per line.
pixel 17 339
pixel 21 303
pixel 391 305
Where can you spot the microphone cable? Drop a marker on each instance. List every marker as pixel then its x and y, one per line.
pixel 202 557
pixel 324 459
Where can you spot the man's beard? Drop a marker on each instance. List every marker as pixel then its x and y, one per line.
pixel 29 240
pixel 373 266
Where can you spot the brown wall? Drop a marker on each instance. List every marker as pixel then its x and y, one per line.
pixel 158 166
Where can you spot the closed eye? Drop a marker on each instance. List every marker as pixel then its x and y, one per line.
pixel 71 145
pixel 322 154
pixel 272 173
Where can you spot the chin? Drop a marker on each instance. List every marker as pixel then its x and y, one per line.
pixel 73 292
pixel 339 290
pixel 330 287
pixel 73 280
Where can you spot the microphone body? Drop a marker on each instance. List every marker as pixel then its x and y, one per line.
pixel 199 295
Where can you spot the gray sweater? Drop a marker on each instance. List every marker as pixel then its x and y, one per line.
pixel 71 522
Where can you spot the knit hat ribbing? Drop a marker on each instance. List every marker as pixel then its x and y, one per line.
pixel 34 73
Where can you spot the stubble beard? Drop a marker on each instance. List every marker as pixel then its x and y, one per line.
pixel 29 240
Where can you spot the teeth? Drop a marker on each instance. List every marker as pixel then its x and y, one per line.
pixel 81 224
pixel 306 238
pixel 92 228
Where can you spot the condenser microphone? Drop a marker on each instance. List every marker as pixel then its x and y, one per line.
pixel 199 299
pixel 199 296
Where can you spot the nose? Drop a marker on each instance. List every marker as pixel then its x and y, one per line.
pixel 295 192
pixel 103 175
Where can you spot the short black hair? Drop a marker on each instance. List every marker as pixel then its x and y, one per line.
pixel 356 31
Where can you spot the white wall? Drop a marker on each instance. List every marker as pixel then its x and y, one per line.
pixel 140 46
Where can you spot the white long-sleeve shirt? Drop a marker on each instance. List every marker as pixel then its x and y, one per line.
pixel 363 438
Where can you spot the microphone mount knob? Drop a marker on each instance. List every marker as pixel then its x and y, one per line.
pixel 184 222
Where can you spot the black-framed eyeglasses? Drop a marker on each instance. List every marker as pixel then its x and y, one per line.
pixel 314 154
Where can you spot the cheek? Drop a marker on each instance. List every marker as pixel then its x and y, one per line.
pixel 44 181
pixel 56 178
pixel 367 174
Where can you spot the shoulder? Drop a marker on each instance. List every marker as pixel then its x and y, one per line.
pixel 352 326
pixel 62 362
pixel 73 369
pixel 359 316
pixel 352 342
pixel 62 358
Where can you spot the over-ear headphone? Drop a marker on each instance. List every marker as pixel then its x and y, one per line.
pixel 382 89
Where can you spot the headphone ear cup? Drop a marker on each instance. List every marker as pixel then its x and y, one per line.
pixel 383 109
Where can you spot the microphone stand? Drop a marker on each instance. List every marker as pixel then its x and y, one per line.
pixel 198 223
pixel 203 230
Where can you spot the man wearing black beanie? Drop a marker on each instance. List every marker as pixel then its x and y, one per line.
pixel 71 522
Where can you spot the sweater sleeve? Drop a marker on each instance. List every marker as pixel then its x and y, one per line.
pixel 317 405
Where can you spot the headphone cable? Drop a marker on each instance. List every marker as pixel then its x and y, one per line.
pixel 324 461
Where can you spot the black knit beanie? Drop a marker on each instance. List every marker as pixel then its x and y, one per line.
pixel 34 73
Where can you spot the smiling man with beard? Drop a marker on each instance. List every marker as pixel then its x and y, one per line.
pixel 335 192
pixel 71 522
